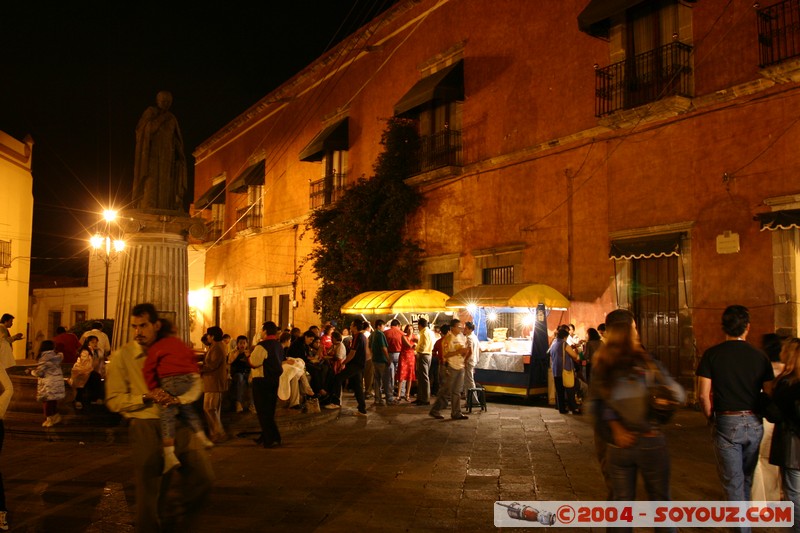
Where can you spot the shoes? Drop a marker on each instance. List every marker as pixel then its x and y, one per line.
pixel 78 405
pixel 379 404
pixel 333 406
pixel 3 521
pixel 460 417
pixel 421 403
pixel 56 418
pixel 48 422
pixel 252 408
pixel 171 462
pixel 216 439
pixel 577 412
pixel 437 417
pixel 564 412
pixel 201 436
pixel 239 407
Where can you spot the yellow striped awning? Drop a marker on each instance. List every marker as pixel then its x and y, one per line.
pixel 394 302
pixel 516 295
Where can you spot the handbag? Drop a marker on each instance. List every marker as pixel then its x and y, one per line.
pixel 663 398
pixel 567 376
pixel 312 405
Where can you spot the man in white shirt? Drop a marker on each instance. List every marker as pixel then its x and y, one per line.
pixel 475 351
pixel 423 350
pixel 454 352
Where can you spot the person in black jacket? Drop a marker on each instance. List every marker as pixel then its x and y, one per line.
pixel 785 449
pixel 266 360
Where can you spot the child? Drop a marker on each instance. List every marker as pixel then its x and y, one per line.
pixel 172 367
pixel 50 387
pixel 81 370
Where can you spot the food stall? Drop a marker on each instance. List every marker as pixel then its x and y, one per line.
pixel 405 305
pixel 511 321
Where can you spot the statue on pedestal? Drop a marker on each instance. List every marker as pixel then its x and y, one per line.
pixel 159 172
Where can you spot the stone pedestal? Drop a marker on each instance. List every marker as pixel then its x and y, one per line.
pixel 154 268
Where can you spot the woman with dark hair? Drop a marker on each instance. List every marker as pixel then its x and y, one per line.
pixel 785 449
pixel 82 369
pixel 766 477
pixel 406 373
pixel 563 358
pixel 593 344
pixel 620 398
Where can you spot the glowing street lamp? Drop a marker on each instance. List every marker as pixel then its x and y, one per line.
pixel 107 249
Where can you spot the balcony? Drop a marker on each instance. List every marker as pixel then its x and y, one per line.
pixel 248 218
pixel 778 32
pixel 326 191
pixel 439 150
pixel 648 77
pixel 214 229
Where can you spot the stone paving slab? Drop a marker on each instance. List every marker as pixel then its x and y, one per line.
pixel 395 470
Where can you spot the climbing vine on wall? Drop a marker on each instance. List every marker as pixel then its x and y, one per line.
pixel 361 242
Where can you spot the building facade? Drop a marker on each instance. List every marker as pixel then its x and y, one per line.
pixel 16 223
pixel 629 154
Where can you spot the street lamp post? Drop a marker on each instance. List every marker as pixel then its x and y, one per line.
pixel 107 248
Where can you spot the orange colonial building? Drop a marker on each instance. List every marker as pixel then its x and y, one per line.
pixel 641 154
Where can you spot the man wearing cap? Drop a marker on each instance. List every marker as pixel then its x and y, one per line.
pixel 127 393
pixel 215 382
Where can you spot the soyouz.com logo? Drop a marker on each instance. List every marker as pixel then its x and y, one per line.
pixel 642 514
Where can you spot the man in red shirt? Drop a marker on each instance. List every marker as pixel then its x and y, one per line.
pixel 68 344
pixel 394 339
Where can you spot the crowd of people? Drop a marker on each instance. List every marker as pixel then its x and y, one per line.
pixel 613 378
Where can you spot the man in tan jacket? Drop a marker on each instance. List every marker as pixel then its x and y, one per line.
pixel 215 383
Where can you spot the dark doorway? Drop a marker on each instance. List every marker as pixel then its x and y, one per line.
pixel 654 298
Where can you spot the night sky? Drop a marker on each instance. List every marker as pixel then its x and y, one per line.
pixel 78 75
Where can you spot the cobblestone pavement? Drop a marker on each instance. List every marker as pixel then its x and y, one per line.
pixel 396 469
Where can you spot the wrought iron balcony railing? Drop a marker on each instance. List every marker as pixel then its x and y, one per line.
pixel 327 190
pixel 439 150
pixel 248 217
pixel 778 32
pixel 644 78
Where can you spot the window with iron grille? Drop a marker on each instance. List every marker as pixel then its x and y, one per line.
pixel 443 282
pixel 656 63
pixel 778 32
pixel 5 254
pixel 503 275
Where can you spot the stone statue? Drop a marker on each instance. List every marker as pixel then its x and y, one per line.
pixel 159 171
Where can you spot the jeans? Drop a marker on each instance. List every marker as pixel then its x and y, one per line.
pixel 177 385
pixel 791 486
pixel 357 373
pixel 383 382
pixel 239 386
pixel 565 397
pixel 451 388
pixel 650 457
pixel 736 442
pixel 423 378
